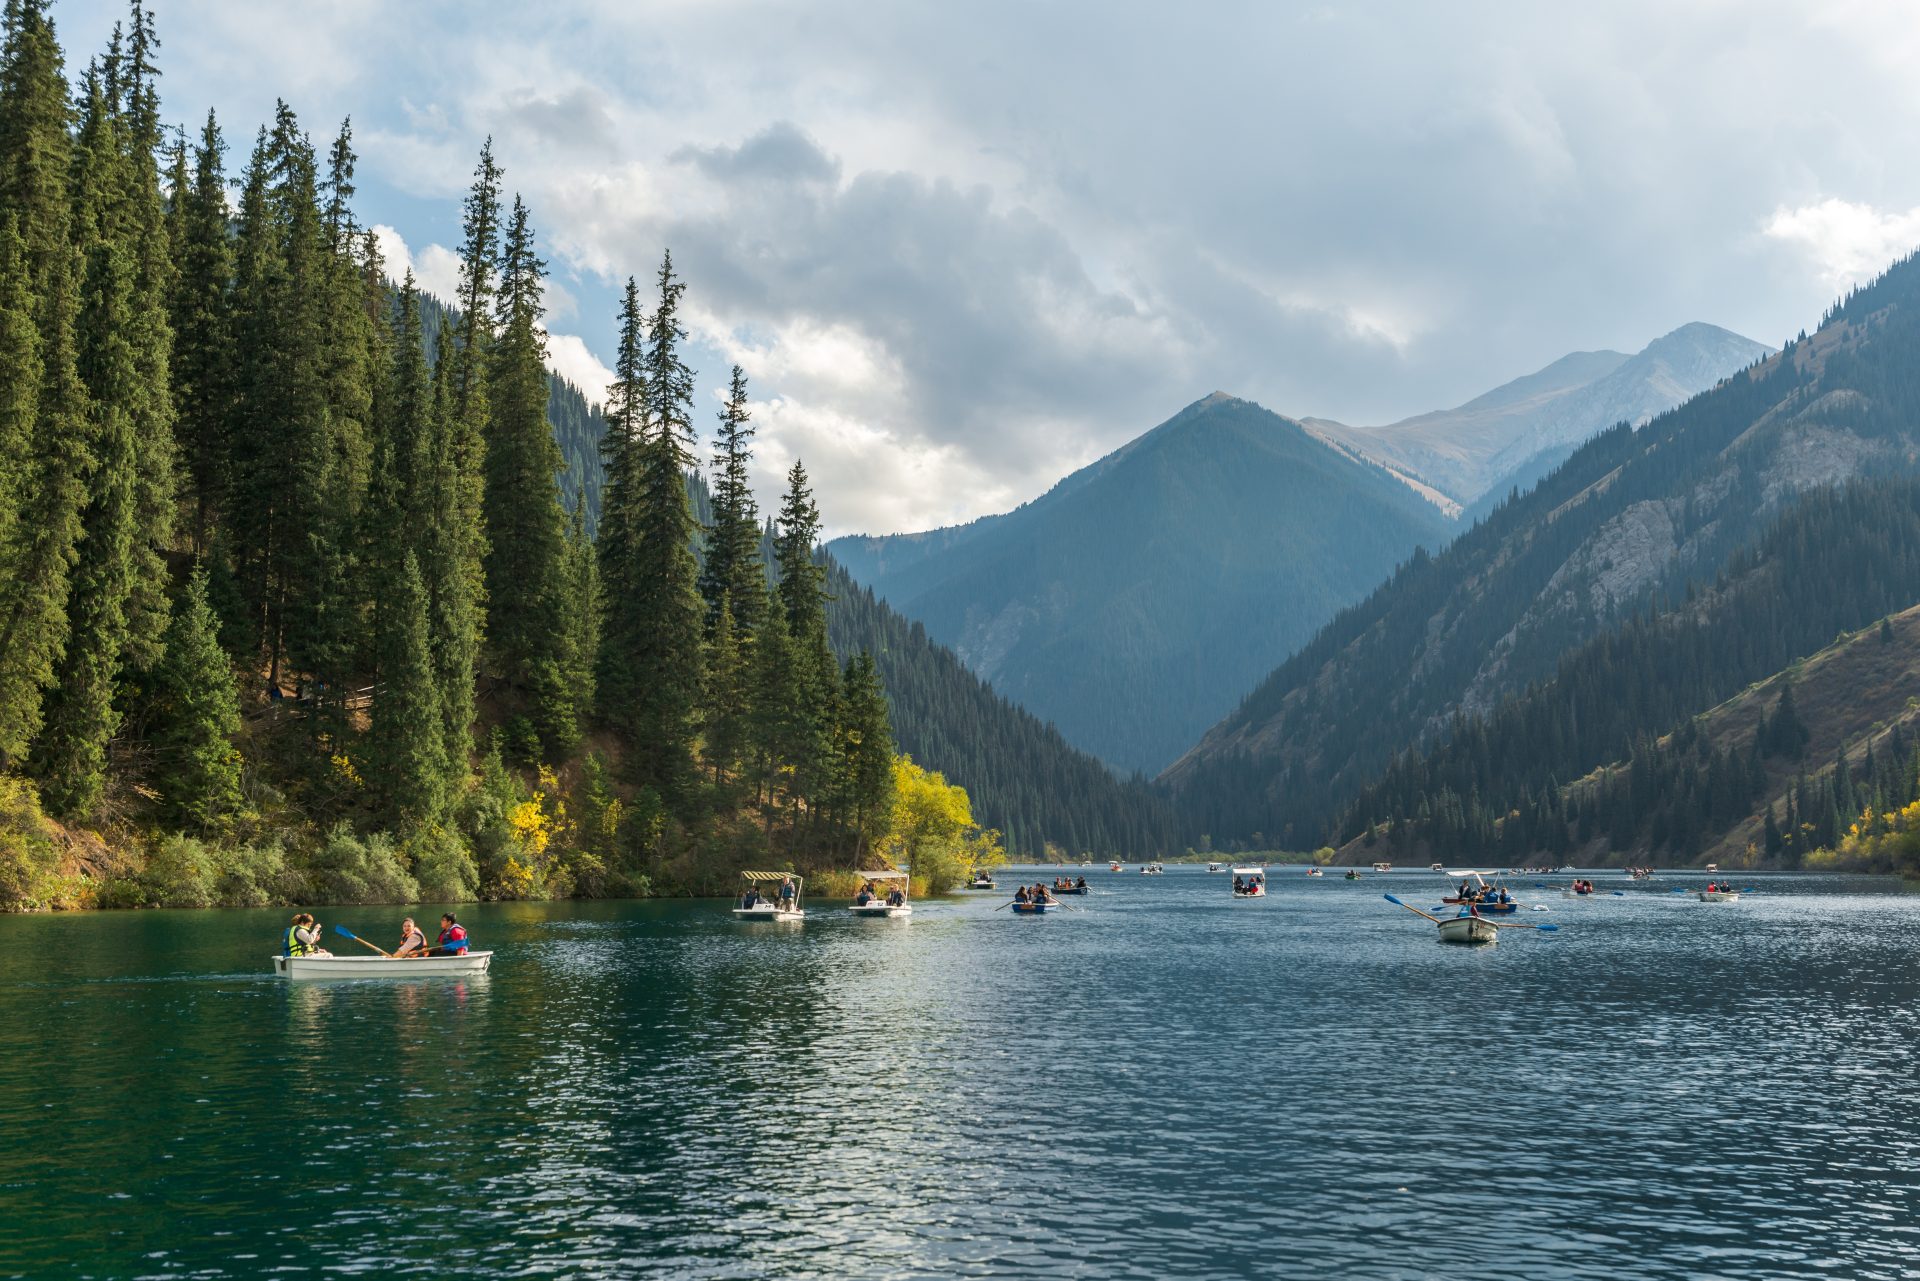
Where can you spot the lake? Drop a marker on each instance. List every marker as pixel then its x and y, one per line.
pixel 1160 1083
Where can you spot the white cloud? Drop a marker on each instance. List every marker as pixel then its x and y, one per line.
pixel 436 268
pixel 1848 242
pixel 569 356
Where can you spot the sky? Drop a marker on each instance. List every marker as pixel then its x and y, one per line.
pixel 963 249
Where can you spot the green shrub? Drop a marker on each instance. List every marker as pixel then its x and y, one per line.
pixel 347 869
pixel 442 865
pixel 253 876
pixel 28 854
pixel 180 872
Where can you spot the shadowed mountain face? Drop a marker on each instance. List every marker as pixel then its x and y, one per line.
pixel 1137 600
pixel 1494 440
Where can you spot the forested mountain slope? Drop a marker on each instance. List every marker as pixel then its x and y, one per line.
pixel 1467 451
pixel 1667 752
pixel 1022 776
pixel 1629 518
pixel 1139 597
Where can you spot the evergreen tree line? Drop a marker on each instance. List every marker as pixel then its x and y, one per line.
pixel 242 486
pixel 1833 562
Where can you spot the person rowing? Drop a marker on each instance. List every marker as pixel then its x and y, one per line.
pixel 1022 896
pixel 412 941
pixel 452 940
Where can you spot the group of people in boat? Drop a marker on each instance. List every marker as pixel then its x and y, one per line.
pixel 1719 887
pixel 782 897
pixel 1481 895
pixel 869 893
pixel 1583 887
pixel 1248 884
pixel 1038 893
pixel 1062 885
pixel 303 938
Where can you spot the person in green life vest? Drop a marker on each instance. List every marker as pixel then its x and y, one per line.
pixel 303 937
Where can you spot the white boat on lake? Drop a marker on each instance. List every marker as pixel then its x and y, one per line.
pixel 1468 929
pixel 1250 882
pixel 1719 896
pixel 379 967
pixel 754 906
pixel 879 905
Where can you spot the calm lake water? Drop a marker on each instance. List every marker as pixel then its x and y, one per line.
pixel 1165 1083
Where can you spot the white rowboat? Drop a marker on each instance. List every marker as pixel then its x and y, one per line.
pixel 1468 929
pixel 1719 896
pixel 379 967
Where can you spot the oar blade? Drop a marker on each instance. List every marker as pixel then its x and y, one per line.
pixel 344 932
pixel 1548 926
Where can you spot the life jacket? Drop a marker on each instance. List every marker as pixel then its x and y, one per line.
pixel 455 939
pixel 292 946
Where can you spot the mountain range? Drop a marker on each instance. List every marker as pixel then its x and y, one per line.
pixel 1511 434
pixel 1133 603
pixel 1651 575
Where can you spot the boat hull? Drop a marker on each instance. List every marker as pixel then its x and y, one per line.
pixel 1261 893
pixel 767 912
pixel 881 909
pixel 1719 896
pixel 379 967
pixel 1468 930
pixel 1033 909
pixel 1486 909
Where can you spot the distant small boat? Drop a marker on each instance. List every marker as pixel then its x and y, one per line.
pixel 1249 882
pixel 1713 867
pixel 1115 866
pixel 1214 867
pixel 1153 869
pixel 1352 875
pixel 1719 896
pixel 379 967
pixel 1436 867
pixel 981 882
pixel 1314 871
pixel 1383 867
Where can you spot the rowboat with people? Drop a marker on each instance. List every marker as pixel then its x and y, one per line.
pixel 1468 926
pixel 1719 892
pixel 1314 871
pixel 871 902
pixel 1033 900
pixel 1061 885
pixel 781 903
pixel 380 967
pixel 1153 869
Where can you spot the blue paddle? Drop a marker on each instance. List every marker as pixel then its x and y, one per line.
pixel 1619 893
pixel 344 932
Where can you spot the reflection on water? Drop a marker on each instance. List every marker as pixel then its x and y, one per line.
pixel 1160 1083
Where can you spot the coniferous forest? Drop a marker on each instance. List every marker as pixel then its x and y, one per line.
pixel 301 597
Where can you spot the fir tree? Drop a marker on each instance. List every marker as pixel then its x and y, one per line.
pixel 469 408
pixel 196 713
pixel 409 739
pixel 617 683
pixel 727 689
pixel 665 641
pixel 203 364
pixel 526 560
pixel 866 744
pixel 453 612
pixel 734 571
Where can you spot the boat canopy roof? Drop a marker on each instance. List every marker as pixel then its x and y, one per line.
pixel 762 877
pixel 1478 876
pixel 1249 871
pixel 883 876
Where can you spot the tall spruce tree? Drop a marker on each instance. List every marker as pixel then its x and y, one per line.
pixel 666 645
pixel 453 607
pixel 866 748
pixel 734 572
pixel 617 683
pixel 409 739
pixel 816 677
pixel 203 350
pixel 526 560
pixel 43 481
pixel 469 410
pixel 581 619
pixel 195 714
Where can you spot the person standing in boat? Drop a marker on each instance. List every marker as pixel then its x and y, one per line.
pixel 412 941
pixel 452 940
pixel 787 892
pixel 303 937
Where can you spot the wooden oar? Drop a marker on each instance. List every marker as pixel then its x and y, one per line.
pixel 344 931
pixel 1411 908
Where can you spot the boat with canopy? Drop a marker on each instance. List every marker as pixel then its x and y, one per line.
pixel 1490 897
pixel 892 903
pixel 1249 882
pixel 755 904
